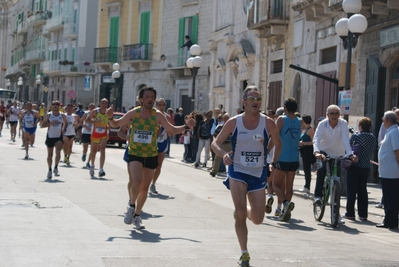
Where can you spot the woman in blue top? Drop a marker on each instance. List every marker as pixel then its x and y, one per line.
pixel 356 185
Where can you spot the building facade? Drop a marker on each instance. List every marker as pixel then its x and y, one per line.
pixel 145 37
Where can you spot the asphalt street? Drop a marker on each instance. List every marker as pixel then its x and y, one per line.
pixel 74 220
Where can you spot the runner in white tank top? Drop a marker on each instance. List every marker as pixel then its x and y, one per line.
pixel 86 134
pixel 247 171
pixel 56 123
pixel 69 136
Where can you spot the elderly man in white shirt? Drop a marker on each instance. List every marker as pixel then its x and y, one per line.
pixel 388 157
pixel 331 138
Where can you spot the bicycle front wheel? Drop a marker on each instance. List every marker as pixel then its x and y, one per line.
pixel 335 203
pixel 318 210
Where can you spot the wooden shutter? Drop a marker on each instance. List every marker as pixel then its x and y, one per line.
pixel 145 27
pixel 113 39
pixel 194 30
pixel 325 95
pixel 180 57
pixel 274 99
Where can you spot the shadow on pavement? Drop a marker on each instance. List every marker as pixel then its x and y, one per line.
pixel 53 181
pixel 160 196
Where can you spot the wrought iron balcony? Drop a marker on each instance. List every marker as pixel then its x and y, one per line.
pixel 107 55
pixel 137 52
pixel 268 13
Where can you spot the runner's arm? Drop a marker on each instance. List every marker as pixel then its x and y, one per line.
pixel 227 129
pixel 45 122
pixel 125 119
pixel 122 133
pixel 275 138
pixel 171 128
pixel 92 115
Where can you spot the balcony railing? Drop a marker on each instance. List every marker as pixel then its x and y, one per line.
pixel 334 2
pixel 271 12
pixel 70 30
pixel 107 54
pixel 55 24
pixel 36 55
pixel 22 28
pixel 177 61
pixel 37 20
pixel 137 52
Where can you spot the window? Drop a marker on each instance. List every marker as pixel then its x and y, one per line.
pixel 145 18
pixel 277 66
pixel 328 55
pixel 187 26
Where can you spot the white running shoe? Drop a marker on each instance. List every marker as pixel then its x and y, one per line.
pixel 49 175
pixel 138 223
pixel 55 171
pixel 92 170
pixel 26 156
pixel 129 215
pixel 153 189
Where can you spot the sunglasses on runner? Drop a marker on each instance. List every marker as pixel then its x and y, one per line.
pixel 253 99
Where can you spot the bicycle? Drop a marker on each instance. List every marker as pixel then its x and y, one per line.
pixel 331 189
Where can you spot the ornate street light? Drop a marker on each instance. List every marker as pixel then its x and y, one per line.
pixel 194 63
pixel 115 75
pixel 349 29
pixel 38 82
pixel 20 83
pixel 8 84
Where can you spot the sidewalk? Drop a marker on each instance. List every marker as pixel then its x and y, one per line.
pixel 374 190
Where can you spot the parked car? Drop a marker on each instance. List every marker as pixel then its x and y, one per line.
pixel 113 132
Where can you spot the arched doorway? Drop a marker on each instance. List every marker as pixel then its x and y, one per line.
pixel 394 86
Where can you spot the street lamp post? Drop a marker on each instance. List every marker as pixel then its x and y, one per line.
pixel 194 63
pixel 20 83
pixel 8 84
pixel 115 75
pixel 38 82
pixel 349 29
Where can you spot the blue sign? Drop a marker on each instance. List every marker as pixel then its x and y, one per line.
pixel 87 83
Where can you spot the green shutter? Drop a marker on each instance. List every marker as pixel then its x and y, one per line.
pixel 113 39
pixel 145 27
pixel 73 54
pixel 194 30
pixel 65 54
pixel 33 71
pixel 180 57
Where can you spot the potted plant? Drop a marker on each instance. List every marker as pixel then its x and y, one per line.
pixel 70 62
pixel 29 13
pixel 63 62
pixel 86 63
pixel 3 68
pixel 74 68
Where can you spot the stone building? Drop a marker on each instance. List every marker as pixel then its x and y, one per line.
pixel 145 38
pixel 50 49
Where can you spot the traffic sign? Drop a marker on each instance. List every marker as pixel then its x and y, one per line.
pixel 71 94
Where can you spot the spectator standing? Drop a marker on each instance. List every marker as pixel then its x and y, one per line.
pixel 388 158
pixel 204 138
pixel 188 43
pixel 179 121
pixel 306 149
pixel 226 145
pixel 356 185
pixel 169 111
